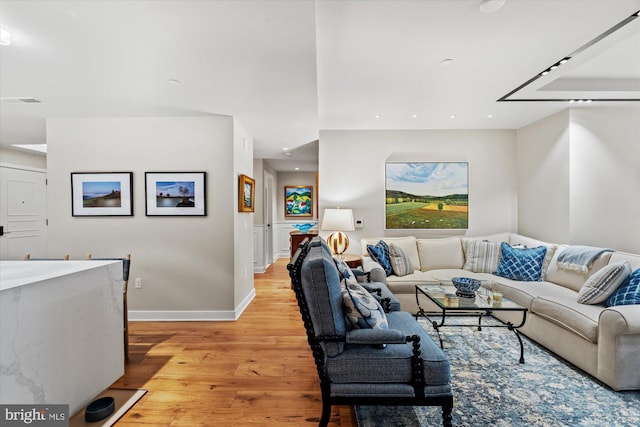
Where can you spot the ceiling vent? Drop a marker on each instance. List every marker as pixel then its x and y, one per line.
pixel 21 100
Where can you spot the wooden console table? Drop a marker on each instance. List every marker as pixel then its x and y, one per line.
pixel 296 237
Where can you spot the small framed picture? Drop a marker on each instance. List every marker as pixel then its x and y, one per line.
pixel 298 201
pixel 246 193
pixel 101 194
pixel 175 193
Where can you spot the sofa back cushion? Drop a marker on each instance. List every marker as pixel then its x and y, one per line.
pixel 573 279
pixel 633 259
pixel 322 291
pixel 408 244
pixel 436 254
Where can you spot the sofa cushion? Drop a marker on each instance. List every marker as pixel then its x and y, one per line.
pixel 521 264
pixel 380 254
pixel 440 253
pixel 481 256
pixel 633 259
pixel 392 364
pixel 524 293
pixel 528 242
pixel 573 279
pixel 407 243
pixel 628 293
pixel 400 262
pixel 604 283
pixel 361 309
pixel 566 312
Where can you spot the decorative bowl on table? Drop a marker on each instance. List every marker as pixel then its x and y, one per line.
pixel 304 227
pixel 466 287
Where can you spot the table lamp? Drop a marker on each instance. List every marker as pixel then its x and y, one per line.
pixel 338 220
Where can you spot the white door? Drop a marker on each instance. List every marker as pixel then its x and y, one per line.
pixel 22 213
pixel 268 218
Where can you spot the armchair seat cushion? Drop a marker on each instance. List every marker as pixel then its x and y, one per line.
pixel 392 364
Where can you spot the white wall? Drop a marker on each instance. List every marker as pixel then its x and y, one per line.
pixel 243 245
pixel 543 179
pixel 605 178
pixel 187 264
pixel 580 176
pixel 351 175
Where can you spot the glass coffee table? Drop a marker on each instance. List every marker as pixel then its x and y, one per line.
pixel 445 298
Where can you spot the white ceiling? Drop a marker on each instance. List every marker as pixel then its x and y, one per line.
pixel 287 69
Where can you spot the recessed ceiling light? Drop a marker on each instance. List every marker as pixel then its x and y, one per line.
pixel 415 116
pixel 285 148
pixel 5 37
pixel 377 116
pixel 288 153
pixel 446 62
pixel 453 116
pixel 490 6
pixel 296 169
pixel 490 116
pixel 173 82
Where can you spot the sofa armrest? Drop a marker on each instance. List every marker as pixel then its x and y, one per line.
pixel 376 272
pixel 618 343
pixel 376 336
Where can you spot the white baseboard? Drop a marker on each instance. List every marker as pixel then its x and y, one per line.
pixel 191 315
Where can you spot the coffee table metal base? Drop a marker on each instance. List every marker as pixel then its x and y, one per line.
pixel 478 307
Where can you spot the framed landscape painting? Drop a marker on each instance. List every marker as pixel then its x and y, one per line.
pixel 426 195
pixel 298 201
pixel 246 194
pixel 175 193
pixel 101 194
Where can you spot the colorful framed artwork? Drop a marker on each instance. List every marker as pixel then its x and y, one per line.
pixel 175 193
pixel 298 201
pixel 101 194
pixel 246 193
pixel 426 195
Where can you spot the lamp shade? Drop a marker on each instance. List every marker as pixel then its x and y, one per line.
pixel 338 220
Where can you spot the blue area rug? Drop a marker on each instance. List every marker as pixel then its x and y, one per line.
pixel 491 388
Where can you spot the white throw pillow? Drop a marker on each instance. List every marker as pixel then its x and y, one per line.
pixel 603 283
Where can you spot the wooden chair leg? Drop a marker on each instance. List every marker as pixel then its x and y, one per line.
pixel 125 318
pixel 446 414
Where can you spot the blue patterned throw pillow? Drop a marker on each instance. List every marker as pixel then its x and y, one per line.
pixel 361 309
pixel 521 264
pixel 380 254
pixel 628 293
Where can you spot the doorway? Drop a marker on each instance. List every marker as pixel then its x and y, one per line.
pixel 268 219
pixel 23 213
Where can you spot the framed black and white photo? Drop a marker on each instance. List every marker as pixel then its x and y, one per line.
pixel 101 194
pixel 175 193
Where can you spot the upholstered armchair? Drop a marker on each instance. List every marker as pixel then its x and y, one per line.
pixel 393 363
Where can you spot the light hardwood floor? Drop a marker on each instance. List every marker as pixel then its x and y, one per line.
pixel 255 371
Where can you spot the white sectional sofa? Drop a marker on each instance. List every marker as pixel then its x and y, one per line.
pixel 604 342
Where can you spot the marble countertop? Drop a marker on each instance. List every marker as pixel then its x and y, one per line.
pixel 20 273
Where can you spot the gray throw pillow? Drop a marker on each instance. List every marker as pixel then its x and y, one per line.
pixel 400 262
pixel 603 283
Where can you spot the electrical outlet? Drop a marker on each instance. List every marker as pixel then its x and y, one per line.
pixel 138 282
